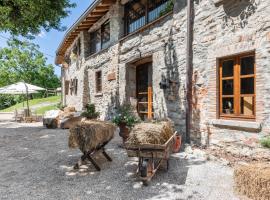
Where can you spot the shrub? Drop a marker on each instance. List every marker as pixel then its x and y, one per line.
pixel 90 112
pixel 265 142
pixel 125 116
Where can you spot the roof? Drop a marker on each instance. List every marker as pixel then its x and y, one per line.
pixel 93 13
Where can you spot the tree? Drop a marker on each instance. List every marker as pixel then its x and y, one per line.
pixel 28 17
pixel 22 60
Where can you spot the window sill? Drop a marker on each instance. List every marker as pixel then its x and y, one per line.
pixel 239 125
pixel 99 94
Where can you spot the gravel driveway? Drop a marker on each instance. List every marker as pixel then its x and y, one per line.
pixel 35 163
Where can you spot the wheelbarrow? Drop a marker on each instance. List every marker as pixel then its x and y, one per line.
pixel 150 156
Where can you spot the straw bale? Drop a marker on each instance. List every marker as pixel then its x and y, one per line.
pixel 68 123
pixel 151 133
pixel 69 109
pixel 89 135
pixel 253 180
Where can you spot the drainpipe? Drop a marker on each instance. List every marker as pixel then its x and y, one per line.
pixel 189 66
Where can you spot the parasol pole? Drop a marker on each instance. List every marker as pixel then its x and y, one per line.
pixel 27 101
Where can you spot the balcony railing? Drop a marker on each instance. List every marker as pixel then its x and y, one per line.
pixel 139 14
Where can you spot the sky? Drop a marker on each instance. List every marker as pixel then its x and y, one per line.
pixel 49 41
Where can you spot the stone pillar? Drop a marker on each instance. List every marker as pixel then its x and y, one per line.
pixel 117 22
pixel 122 83
pixel 85 44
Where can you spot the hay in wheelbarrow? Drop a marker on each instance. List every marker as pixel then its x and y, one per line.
pixel 151 133
pixel 89 135
pixel 253 180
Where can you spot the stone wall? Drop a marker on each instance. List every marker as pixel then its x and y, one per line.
pixel 232 27
pixel 219 30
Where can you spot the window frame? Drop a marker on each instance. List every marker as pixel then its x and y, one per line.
pixel 144 18
pixel 236 88
pixel 97 38
pixel 98 84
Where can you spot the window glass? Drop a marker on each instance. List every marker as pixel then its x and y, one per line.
pixel 105 34
pixel 237 84
pixel 227 68
pixel 227 87
pixel 95 43
pixel 141 12
pixel 247 65
pixel 98 81
pixel 228 105
pixel 247 85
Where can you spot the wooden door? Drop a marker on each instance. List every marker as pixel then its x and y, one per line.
pixel 144 91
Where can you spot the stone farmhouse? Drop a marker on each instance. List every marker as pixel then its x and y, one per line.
pixel 147 52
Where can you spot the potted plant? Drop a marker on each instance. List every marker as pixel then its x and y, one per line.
pixel 90 112
pixel 125 119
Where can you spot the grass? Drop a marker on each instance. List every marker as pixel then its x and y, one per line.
pixel 265 142
pixel 42 110
pixel 35 102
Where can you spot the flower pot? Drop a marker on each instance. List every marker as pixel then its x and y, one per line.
pixel 124 131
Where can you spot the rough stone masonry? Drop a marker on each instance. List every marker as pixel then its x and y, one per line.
pixel 221 28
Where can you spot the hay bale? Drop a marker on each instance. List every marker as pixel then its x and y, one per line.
pixel 253 181
pixel 68 123
pixel 151 133
pixel 69 109
pixel 89 135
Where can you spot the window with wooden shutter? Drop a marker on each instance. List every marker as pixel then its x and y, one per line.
pixel 98 81
pixel 66 87
pixel 71 86
pixel 237 97
pixel 76 86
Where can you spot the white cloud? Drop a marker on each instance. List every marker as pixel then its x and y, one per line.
pixel 42 34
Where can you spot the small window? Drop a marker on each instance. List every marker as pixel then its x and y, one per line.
pixel 66 87
pixel 98 82
pixel 76 86
pixel 237 87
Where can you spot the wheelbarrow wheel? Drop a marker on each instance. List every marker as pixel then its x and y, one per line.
pixel 144 168
pixel 146 182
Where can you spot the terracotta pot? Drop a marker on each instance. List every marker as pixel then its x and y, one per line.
pixel 124 131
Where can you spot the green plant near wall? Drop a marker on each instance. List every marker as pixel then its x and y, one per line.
pixel 125 116
pixel 265 142
pixel 168 8
pixel 90 112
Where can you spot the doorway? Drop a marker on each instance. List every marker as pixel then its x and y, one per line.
pixel 144 91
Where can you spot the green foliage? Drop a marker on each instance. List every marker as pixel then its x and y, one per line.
pixel 9 100
pixel 265 142
pixel 42 110
pixel 33 102
pixel 168 8
pixel 28 17
pixel 90 112
pixel 125 116
pixel 61 106
pixel 23 61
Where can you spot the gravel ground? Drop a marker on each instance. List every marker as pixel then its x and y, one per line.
pixel 35 163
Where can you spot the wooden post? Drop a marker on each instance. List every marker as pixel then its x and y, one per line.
pixel 150 111
pixel 189 71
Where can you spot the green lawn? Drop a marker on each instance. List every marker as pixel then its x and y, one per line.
pixel 35 102
pixel 42 110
